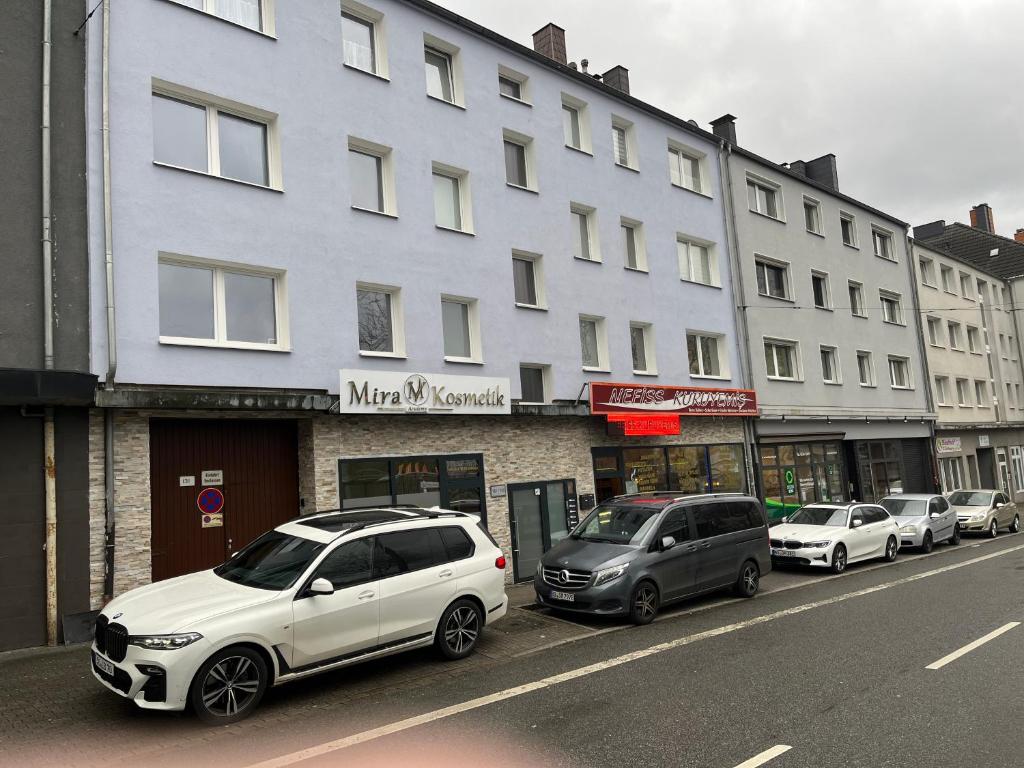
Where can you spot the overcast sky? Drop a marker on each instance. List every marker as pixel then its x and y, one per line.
pixel 922 101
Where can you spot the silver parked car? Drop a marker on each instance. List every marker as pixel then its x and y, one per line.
pixel 924 519
pixel 985 511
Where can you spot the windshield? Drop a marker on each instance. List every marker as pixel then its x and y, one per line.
pixel 274 561
pixel 617 524
pixel 971 499
pixel 819 516
pixel 905 507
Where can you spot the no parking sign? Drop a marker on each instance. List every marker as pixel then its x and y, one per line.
pixel 211 504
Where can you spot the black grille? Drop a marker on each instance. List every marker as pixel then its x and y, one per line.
pixel 777 543
pixel 100 633
pixel 115 642
pixel 793 545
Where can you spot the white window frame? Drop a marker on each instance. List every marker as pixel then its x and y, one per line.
pixel 981 291
pixel 974 345
pixel 926 267
pixel 397 320
pixel 956 341
pixel 769 186
pixel 517 77
pixel 855 286
pixel 714 276
pixel 593 240
pixel 538 278
pixel 219 268
pixel 267 16
pixel 906 363
pixel 934 326
pixel 649 355
pixel 896 298
pixel 387 172
pixel 949 288
pixel 723 356
pixel 376 21
pixel 677 150
pixel 454 69
pixel 865 354
pixel 632 147
pixel 465 195
pixel 473 318
pixel 530 155
pixel 601 333
pixel 883 236
pixel 798 368
pixel 583 115
pixel 845 216
pixel 942 391
pixel 837 369
pixel 810 202
pixel 545 372
pixel 966 284
pixel 823 276
pixel 639 243
pixel 213 106
pixel 981 397
pixel 963 396
pixel 776 263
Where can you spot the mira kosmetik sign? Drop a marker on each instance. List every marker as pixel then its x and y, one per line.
pixel 398 392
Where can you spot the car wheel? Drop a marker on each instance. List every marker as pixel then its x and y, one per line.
pixel 458 630
pixel 228 686
pixel 839 559
pixel 643 603
pixel 928 543
pixel 891 548
pixel 955 538
pixel 1015 525
pixel 993 529
pixel 749 580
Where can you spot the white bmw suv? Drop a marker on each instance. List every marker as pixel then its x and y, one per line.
pixel 314 594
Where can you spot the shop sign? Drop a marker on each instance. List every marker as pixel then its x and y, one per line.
pixel 606 397
pixel 399 392
pixel 789 475
pixel 948 444
pixel 497 491
pixel 983 441
pixel 645 424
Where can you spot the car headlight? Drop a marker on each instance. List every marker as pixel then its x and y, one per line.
pixel 977 516
pixel 164 642
pixel 816 544
pixel 609 574
pixel 908 529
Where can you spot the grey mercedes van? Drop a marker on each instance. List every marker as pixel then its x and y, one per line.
pixel 632 554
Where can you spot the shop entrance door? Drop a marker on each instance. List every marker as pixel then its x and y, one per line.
pixel 539 515
pixel 1004 471
pixel 986 468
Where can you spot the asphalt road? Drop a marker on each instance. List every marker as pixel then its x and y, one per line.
pixel 835 669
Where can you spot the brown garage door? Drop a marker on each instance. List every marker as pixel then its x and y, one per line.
pixel 259 463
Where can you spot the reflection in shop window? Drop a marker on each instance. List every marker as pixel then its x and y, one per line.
pixel 727 475
pixel 458 468
pixel 687 469
pixel 464 500
pixel 416 482
pixel 365 483
pixel 645 469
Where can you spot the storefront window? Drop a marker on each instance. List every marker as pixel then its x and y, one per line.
pixel 800 473
pixel 727 470
pixel 417 482
pixel 687 469
pixel 460 468
pixel 682 468
pixel 365 482
pixel 881 470
pixel 645 469
pixel 464 500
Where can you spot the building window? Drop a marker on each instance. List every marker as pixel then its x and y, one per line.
pixel 981 393
pixel 684 166
pixel 892 307
pixel 935 332
pixel 965 286
pixel 641 342
pixel 973 340
pixel 947 280
pixel 696 261
pixel 704 351
pixel 963 393
pixel 899 372
pixel 574 123
pixel 982 291
pixel 927 267
pixel 848 225
pixel 211 305
pixel 684 469
pixel 208 138
pixel 819 287
pixel 830 372
pixel 441 65
pixel 955 342
pixel 763 198
pixel 593 343
pixel 528 277
pixel 1002 346
pixel 584 233
pixel 812 215
pixel 857 299
pixel 519 163
pixel 801 473
pixel 252 14
pixel 512 84
pixel 1009 396
pixel 460 326
pixel 624 142
pixel 531 383
pixel 380 321
pixel 362 39
pixel 941 390
pixel 781 360
pixel 865 369
pixel 882 243
pixel 633 244
pixel 772 279
pixel 451 198
pixel 371 176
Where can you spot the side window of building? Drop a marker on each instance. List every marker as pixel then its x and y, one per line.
pixel 406 551
pixel 457 545
pixel 348 565
pixel 676 525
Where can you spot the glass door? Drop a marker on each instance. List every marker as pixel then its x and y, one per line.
pixel 540 519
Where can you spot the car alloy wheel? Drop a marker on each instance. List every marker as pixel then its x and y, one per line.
pixel 230 687
pixel 993 529
pixel 1015 525
pixel 927 543
pixel 644 603
pixel 839 559
pixel 890 549
pixel 750 579
pixel 461 630
pixel 955 539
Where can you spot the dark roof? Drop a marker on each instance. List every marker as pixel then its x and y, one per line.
pixel 975 247
pixel 592 82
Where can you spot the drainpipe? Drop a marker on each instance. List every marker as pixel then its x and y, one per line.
pixel 922 349
pixel 740 300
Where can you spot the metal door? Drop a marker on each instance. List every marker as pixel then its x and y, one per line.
pixel 1004 472
pixel 539 517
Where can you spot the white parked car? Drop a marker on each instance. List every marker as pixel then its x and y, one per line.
pixel 834 535
pixel 925 519
pixel 314 594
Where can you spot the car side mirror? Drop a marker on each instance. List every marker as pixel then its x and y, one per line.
pixel 857 522
pixel 999 505
pixel 934 515
pixel 321 587
pixel 667 542
pixel 785 519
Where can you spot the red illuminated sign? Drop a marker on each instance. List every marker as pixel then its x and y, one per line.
pixel 640 399
pixel 646 424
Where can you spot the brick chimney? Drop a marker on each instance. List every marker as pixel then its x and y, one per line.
pixel 823 170
pixel 799 166
pixel 930 230
pixel 1019 236
pixel 981 218
pixel 617 77
pixel 549 40
pixel 724 127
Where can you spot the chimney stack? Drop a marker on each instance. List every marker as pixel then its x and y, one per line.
pixel 823 171
pixel 799 166
pixel 930 230
pixel 618 78
pixel 981 218
pixel 549 40
pixel 724 127
pixel 1019 236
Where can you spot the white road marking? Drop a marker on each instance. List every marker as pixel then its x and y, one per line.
pixel 971 646
pixel 590 669
pixel 764 757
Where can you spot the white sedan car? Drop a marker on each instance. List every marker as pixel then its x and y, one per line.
pixel 315 594
pixel 834 535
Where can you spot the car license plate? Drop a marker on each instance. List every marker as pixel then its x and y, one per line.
pixel 103 665
pixel 781 553
pixel 568 597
